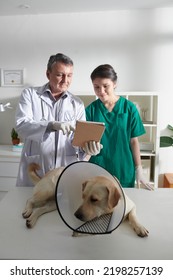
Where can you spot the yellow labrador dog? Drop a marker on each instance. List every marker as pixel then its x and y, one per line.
pixel 100 196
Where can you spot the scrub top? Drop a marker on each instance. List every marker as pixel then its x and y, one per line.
pixel 121 124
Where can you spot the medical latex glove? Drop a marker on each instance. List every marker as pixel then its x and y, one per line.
pixel 140 178
pixel 66 127
pixel 92 148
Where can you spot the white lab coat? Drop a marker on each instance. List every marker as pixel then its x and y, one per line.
pixel 36 109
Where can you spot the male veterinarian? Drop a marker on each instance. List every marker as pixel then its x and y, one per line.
pixel 45 120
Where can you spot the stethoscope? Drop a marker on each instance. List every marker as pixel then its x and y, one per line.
pixel 70 119
pixel 42 110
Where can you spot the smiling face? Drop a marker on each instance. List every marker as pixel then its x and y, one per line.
pixel 60 77
pixel 104 89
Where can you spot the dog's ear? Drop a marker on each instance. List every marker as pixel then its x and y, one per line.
pixel 84 185
pixel 113 196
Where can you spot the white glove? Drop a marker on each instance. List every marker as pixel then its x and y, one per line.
pixel 64 126
pixel 92 148
pixel 140 178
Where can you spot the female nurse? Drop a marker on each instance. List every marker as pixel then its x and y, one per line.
pixel 120 154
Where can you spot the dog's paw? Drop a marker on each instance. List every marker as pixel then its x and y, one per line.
pixel 75 234
pixel 78 234
pixel 31 220
pixel 26 213
pixel 141 231
pixel 30 223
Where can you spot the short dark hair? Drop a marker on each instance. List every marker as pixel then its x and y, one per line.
pixel 59 57
pixel 104 71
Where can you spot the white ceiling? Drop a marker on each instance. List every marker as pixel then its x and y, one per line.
pixel 23 7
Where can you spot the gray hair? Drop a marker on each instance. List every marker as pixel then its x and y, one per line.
pixel 59 57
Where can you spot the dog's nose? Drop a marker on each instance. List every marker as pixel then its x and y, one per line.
pixel 79 215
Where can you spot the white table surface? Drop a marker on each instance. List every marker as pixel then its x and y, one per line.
pixel 52 239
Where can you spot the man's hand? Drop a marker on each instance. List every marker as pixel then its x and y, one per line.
pixel 64 126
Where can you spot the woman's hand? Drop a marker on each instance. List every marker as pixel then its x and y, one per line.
pixel 92 148
pixel 140 178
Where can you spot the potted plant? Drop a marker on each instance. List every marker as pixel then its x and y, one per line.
pixel 167 141
pixel 15 137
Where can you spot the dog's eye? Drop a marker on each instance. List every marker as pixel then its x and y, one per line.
pixel 93 199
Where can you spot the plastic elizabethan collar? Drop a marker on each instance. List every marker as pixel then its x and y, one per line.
pixel 69 197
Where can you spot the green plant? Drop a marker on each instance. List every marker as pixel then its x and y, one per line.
pixel 14 134
pixel 167 141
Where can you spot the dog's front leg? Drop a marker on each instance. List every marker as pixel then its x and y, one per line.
pixel 139 229
pixel 28 208
pixel 48 207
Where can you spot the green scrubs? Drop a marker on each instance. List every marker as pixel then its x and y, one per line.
pixel 122 124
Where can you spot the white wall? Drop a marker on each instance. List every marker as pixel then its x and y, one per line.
pixel 137 43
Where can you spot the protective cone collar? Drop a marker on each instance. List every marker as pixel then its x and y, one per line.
pixel 69 197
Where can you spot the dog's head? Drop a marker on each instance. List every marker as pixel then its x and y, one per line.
pixel 100 195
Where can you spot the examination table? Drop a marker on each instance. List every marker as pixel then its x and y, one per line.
pixel 52 239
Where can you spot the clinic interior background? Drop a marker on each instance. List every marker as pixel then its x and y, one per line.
pixel 137 43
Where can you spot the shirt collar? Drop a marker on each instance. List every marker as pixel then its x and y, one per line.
pixel 45 94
